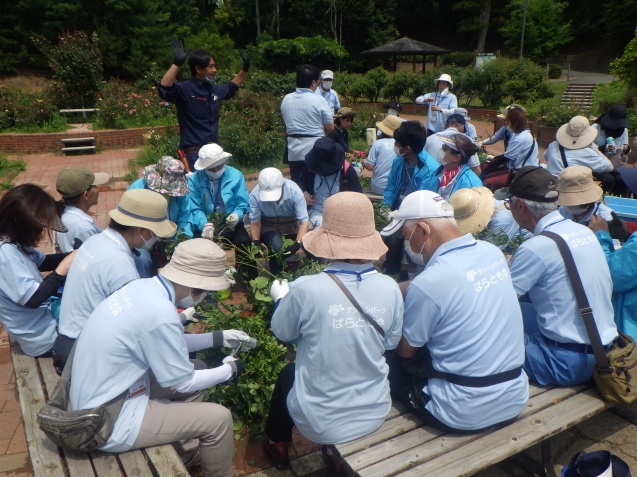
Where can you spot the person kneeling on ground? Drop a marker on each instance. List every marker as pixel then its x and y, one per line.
pixel 558 349
pixel 134 343
pixel 277 210
pixel 338 390
pixel 468 344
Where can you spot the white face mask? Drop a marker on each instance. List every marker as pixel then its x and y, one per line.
pixel 327 85
pixel 148 244
pixel 392 112
pixel 213 176
pixel 444 92
pixel 397 151
pixel 417 258
pixel 188 301
pixel 576 209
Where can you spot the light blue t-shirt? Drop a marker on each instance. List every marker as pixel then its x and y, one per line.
pixel 80 225
pixel 518 147
pixel 34 329
pixel 330 96
pixel 436 119
pixel 304 113
pixel 538 269
pixel 503 221
pixel 599 209
pixel 434 144
pixel 103 264
pixel 324 188
pixel 291 204
pixel 463 308
pixel 134 331
pixel 381 155
pixel 586 156
pixel 340 390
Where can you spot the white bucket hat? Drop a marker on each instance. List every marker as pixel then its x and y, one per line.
pixel 444 77
pixel 270 184
pixel 144 208
pixel 211 155
pixel 198 263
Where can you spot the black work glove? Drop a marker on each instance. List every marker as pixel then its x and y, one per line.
pixel 246 61
pixel 291 250
pixel 179 53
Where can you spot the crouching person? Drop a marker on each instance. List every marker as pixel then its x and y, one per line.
pixel 337 390
pixel 134 343
pixel 468 346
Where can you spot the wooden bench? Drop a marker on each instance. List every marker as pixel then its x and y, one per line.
pixel 33 378
pixel 405 446
pixel 78 144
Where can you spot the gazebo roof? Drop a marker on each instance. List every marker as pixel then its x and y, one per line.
pixel 406 46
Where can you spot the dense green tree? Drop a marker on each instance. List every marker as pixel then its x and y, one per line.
pixel 546 28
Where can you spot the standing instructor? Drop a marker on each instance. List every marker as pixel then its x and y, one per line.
pixel 198 98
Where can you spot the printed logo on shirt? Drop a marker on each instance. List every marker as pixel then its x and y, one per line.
pixel 485 277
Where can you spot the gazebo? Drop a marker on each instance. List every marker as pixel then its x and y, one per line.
pixel 406 46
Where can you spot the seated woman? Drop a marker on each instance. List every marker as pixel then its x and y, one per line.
pixel 343 120
pixel 24 294
pixel 520 149
pixel 456 174
pixel 612 141
pixel 581 198
pixel 337 390
pixel 326 173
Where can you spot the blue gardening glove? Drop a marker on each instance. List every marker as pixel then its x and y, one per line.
pixel 246 61
pixel 179 53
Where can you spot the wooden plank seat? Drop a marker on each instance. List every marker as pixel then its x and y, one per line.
pixel 35 377
pixel 77 140
pixel 78 110
pixel 404 446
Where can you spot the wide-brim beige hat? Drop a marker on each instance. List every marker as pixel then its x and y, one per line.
pixel 389 125
pixel 472 209
pixel 198 263
pixel 577 187
pixel 144 208
pixel 576 134
pixel 347 231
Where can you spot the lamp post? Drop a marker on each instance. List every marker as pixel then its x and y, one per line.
pixel 524 5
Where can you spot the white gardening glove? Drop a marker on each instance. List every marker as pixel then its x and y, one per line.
pixel 279 289
pixel 232 339
pixel 479 143
pixel 208 231
pixel 188 315
pixel 389 215
pixel 232 220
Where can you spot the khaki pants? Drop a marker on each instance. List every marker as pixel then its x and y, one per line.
pixel 176 418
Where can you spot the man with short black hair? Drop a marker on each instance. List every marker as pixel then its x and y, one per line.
pixel 456 123
pixel 198 98
pixel 307 117
pixel 558 349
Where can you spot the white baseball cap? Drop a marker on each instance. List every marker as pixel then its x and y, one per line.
pixel 422 204
pixel 327 74
pixel 270 184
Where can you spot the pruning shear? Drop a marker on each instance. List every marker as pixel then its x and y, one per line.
pixel 236 351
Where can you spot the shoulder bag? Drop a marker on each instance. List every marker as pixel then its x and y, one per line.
pixel 615 371
pixel 84 430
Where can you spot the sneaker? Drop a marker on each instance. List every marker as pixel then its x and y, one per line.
pixel 278 452
pixel 333 461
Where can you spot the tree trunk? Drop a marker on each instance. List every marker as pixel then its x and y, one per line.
pixel 258 18
pixel 485 13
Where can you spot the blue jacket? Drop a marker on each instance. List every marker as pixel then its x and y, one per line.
pixel 178 209
pixel 234 193
pixel 623 271
pixel 424 178
pixel 466 179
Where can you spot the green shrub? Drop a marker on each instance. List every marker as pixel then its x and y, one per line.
pixel 632 122
pixel 562 114
pixel 625 68
pixel 398 85
pixel 274 84
pixel 555 71
pixel 76 63
pixel 21 111
pixel 615 92
pixel 122 105
pixel 458 58
pixel 362 87
pixel 287 54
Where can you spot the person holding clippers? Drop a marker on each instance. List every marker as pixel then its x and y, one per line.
pixel 198 98
pixel 216 187
pixel 441 104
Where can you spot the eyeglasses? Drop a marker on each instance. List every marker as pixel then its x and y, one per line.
pixel 507 203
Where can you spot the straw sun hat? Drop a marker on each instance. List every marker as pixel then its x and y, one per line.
pixel 348 230
pixel 472 209
pixel 144 208
pixel 198 263
pixel 389 125
pixel 576 134
pixel 576 186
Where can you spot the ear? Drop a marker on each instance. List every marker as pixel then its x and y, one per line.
pixel 426 229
